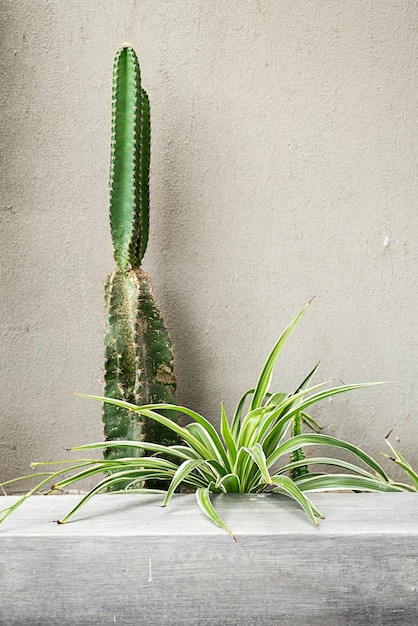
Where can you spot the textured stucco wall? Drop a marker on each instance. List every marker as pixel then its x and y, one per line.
pixel 284 165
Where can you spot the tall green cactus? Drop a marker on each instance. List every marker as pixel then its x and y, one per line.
pixel 138 353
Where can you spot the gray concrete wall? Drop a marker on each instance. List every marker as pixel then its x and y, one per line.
pixel 284 166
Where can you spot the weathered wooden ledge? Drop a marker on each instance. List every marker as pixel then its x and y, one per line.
pixel 125 560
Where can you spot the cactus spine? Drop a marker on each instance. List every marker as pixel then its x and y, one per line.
pixel 138 353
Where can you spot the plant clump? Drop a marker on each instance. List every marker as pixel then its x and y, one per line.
pixel 252 453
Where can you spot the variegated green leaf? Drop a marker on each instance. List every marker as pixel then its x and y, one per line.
pixel 266 373
pixel 231 449
pixel 203 500
pixel 287 486
pixel 230 483
pixel 181 473
pixel 335 482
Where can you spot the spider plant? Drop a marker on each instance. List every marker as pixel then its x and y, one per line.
pixel 399 460
pixel 252 453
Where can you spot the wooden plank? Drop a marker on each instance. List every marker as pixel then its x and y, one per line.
pixel 126 560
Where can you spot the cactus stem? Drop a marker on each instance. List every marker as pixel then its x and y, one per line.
pixel 138 353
